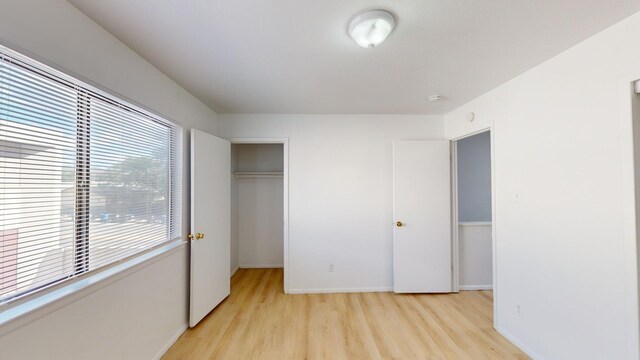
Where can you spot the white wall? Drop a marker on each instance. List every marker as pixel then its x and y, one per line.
pixel 566 249
pixel 475 256
pixel 258 157
pixel 340 192
pixel 260 219
pixel 134 317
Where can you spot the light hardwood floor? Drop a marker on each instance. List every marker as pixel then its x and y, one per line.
pixel 257 321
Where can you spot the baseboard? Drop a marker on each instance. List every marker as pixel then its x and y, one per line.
pixel 525 349
pixel 234 271
pixel 171 341
pixel 476 287
pixel 340 290
pixel 262 266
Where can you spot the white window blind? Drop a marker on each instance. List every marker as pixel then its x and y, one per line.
pixel 86 179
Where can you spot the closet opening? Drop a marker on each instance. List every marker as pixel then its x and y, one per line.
pixel 259 205
pixel 472 225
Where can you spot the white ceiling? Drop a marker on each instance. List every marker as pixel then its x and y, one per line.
pixel 294 56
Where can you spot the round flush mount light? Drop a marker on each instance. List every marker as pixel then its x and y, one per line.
pixel 370 28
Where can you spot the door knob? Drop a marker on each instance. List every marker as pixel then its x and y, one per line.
pixel 399 223
pixel 197 236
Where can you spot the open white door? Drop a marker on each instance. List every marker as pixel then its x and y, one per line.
pixel 422 216
pixel 210 223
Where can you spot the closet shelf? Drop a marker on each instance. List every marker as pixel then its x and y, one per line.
pixel 257 174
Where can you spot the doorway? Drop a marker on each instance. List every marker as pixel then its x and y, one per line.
pixel 259 204
pixel 473 223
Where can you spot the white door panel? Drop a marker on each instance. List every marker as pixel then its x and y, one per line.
pixel 422 203
pixel 210 215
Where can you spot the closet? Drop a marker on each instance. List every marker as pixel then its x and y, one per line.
pixel 257 201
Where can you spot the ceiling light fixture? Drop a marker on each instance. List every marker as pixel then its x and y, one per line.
pixel 370 28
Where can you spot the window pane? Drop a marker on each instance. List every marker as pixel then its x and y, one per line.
pixel 37 180
pixel 129 193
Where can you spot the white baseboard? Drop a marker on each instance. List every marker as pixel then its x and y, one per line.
pixel 171 341
pixel 234 271
pixel 476 287
pixel 340 290
pixel 532 354
pixel 262 266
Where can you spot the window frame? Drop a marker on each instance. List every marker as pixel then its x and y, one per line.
pixel 83 279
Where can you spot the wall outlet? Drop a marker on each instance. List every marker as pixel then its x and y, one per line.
pixel 518 196
pixel 331 268
pixel 519 309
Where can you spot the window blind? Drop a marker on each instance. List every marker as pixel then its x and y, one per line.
pixel 86 179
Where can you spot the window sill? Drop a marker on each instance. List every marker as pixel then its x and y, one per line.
pixel 23 313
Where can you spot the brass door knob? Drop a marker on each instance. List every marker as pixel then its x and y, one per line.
pixel 399 223
pixel 199 236
pixel 190 236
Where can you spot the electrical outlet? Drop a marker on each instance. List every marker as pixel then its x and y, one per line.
pixel 519 309
pixel 331 268
pixel 518 196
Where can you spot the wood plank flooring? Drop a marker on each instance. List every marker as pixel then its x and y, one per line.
pixel 258 321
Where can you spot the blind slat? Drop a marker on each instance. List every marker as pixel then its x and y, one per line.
pixel 86 179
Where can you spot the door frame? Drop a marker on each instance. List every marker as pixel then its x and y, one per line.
pixel 454 215
pixel 285 192
pixel 630 187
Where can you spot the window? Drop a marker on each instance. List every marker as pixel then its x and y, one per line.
pixel 86 179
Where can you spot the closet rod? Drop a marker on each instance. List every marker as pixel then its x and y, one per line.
pixel 260 174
